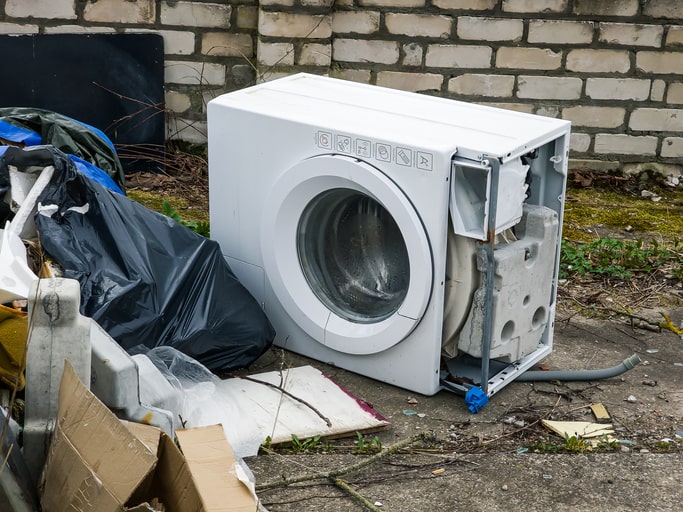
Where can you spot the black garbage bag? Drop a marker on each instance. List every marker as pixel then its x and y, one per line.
pixel 144 278
pixel 35 126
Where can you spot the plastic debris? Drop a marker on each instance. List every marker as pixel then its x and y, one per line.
pixel 632 399
pixel 438 471
pixel 409 412
pixel 600 412
pixel 475 399
pixel 412 401
pixel 579 429
pixel 521 450
pixel 652 350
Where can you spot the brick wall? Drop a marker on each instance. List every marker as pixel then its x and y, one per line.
pixel 613 67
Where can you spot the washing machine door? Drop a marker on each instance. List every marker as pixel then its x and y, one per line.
pixel 346 254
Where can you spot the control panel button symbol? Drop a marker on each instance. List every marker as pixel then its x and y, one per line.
pixel 363 147
pixel 343 144
pixel 324 140
pixel 404 156
pixel 424 161
pixel 383 152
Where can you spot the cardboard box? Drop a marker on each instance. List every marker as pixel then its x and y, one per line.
pixel 97 463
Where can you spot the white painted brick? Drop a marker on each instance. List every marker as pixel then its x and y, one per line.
pixel 355 22
pixel 606 7
pixel 672 147
pixel 247 16
pixel 177 101
pixel 625 144
pixel 465 5
pixel 271 54
pixel 54 9
pixel 660 62
pixel 458 56
pixel 489 29
pixel 547 111
pixel 315 54
pixel 362 76
pixel 535 6
pixel 675 93
pixel 528 58
pixel 121 11
pixel 412 54
pixel 282 24
pixel 672 9
pixel 176 42
pixel 194 73
pixel 652 169
pixel 495 86
pixel 674 35
pixel 419 25
pixel 354 50
pixel 392 3
pixel 76 29
pixel 271 74
pixel 560 31
pixel 658 88
pixel 517 107
pixel 598 61
pixel 579 142
pixel 657 119
pixel 618 88
pixel 595 117
pixel 224 44
pixel 414 82
pixel 594 165
pixel 195 14
pixel 629 34
pixel 186 129
pixel 13 28
pixel 547 87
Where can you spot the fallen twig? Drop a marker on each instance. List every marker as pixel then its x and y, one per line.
pixel 355 494
pixel 342 471
pixel 293 397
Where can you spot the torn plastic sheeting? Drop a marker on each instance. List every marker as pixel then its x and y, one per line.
pixel 17 124
pixel 254 408
pixel 144 278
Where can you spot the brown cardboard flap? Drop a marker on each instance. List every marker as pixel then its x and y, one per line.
pixel 211 462
pixel 94 462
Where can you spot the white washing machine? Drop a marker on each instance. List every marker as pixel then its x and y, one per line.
pixel 360 218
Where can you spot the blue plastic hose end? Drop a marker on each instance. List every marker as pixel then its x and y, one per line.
pixel 475 400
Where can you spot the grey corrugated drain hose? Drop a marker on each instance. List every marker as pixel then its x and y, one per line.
pixel 578 375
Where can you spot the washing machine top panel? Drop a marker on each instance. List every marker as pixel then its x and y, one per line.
pixel 438 124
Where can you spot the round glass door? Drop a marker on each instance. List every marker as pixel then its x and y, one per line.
pixel 346 254
pixel 353 255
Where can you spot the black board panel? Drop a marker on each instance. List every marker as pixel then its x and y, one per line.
pixel 114 82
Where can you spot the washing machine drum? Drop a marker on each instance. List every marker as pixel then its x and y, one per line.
pixel 358 277
pixel 353 255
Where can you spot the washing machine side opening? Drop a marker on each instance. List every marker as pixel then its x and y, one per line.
pixel 353 255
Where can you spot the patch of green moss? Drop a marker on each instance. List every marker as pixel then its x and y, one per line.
pixel 154 201
pixel 591 209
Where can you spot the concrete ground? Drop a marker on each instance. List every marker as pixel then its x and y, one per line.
pixel 503 458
